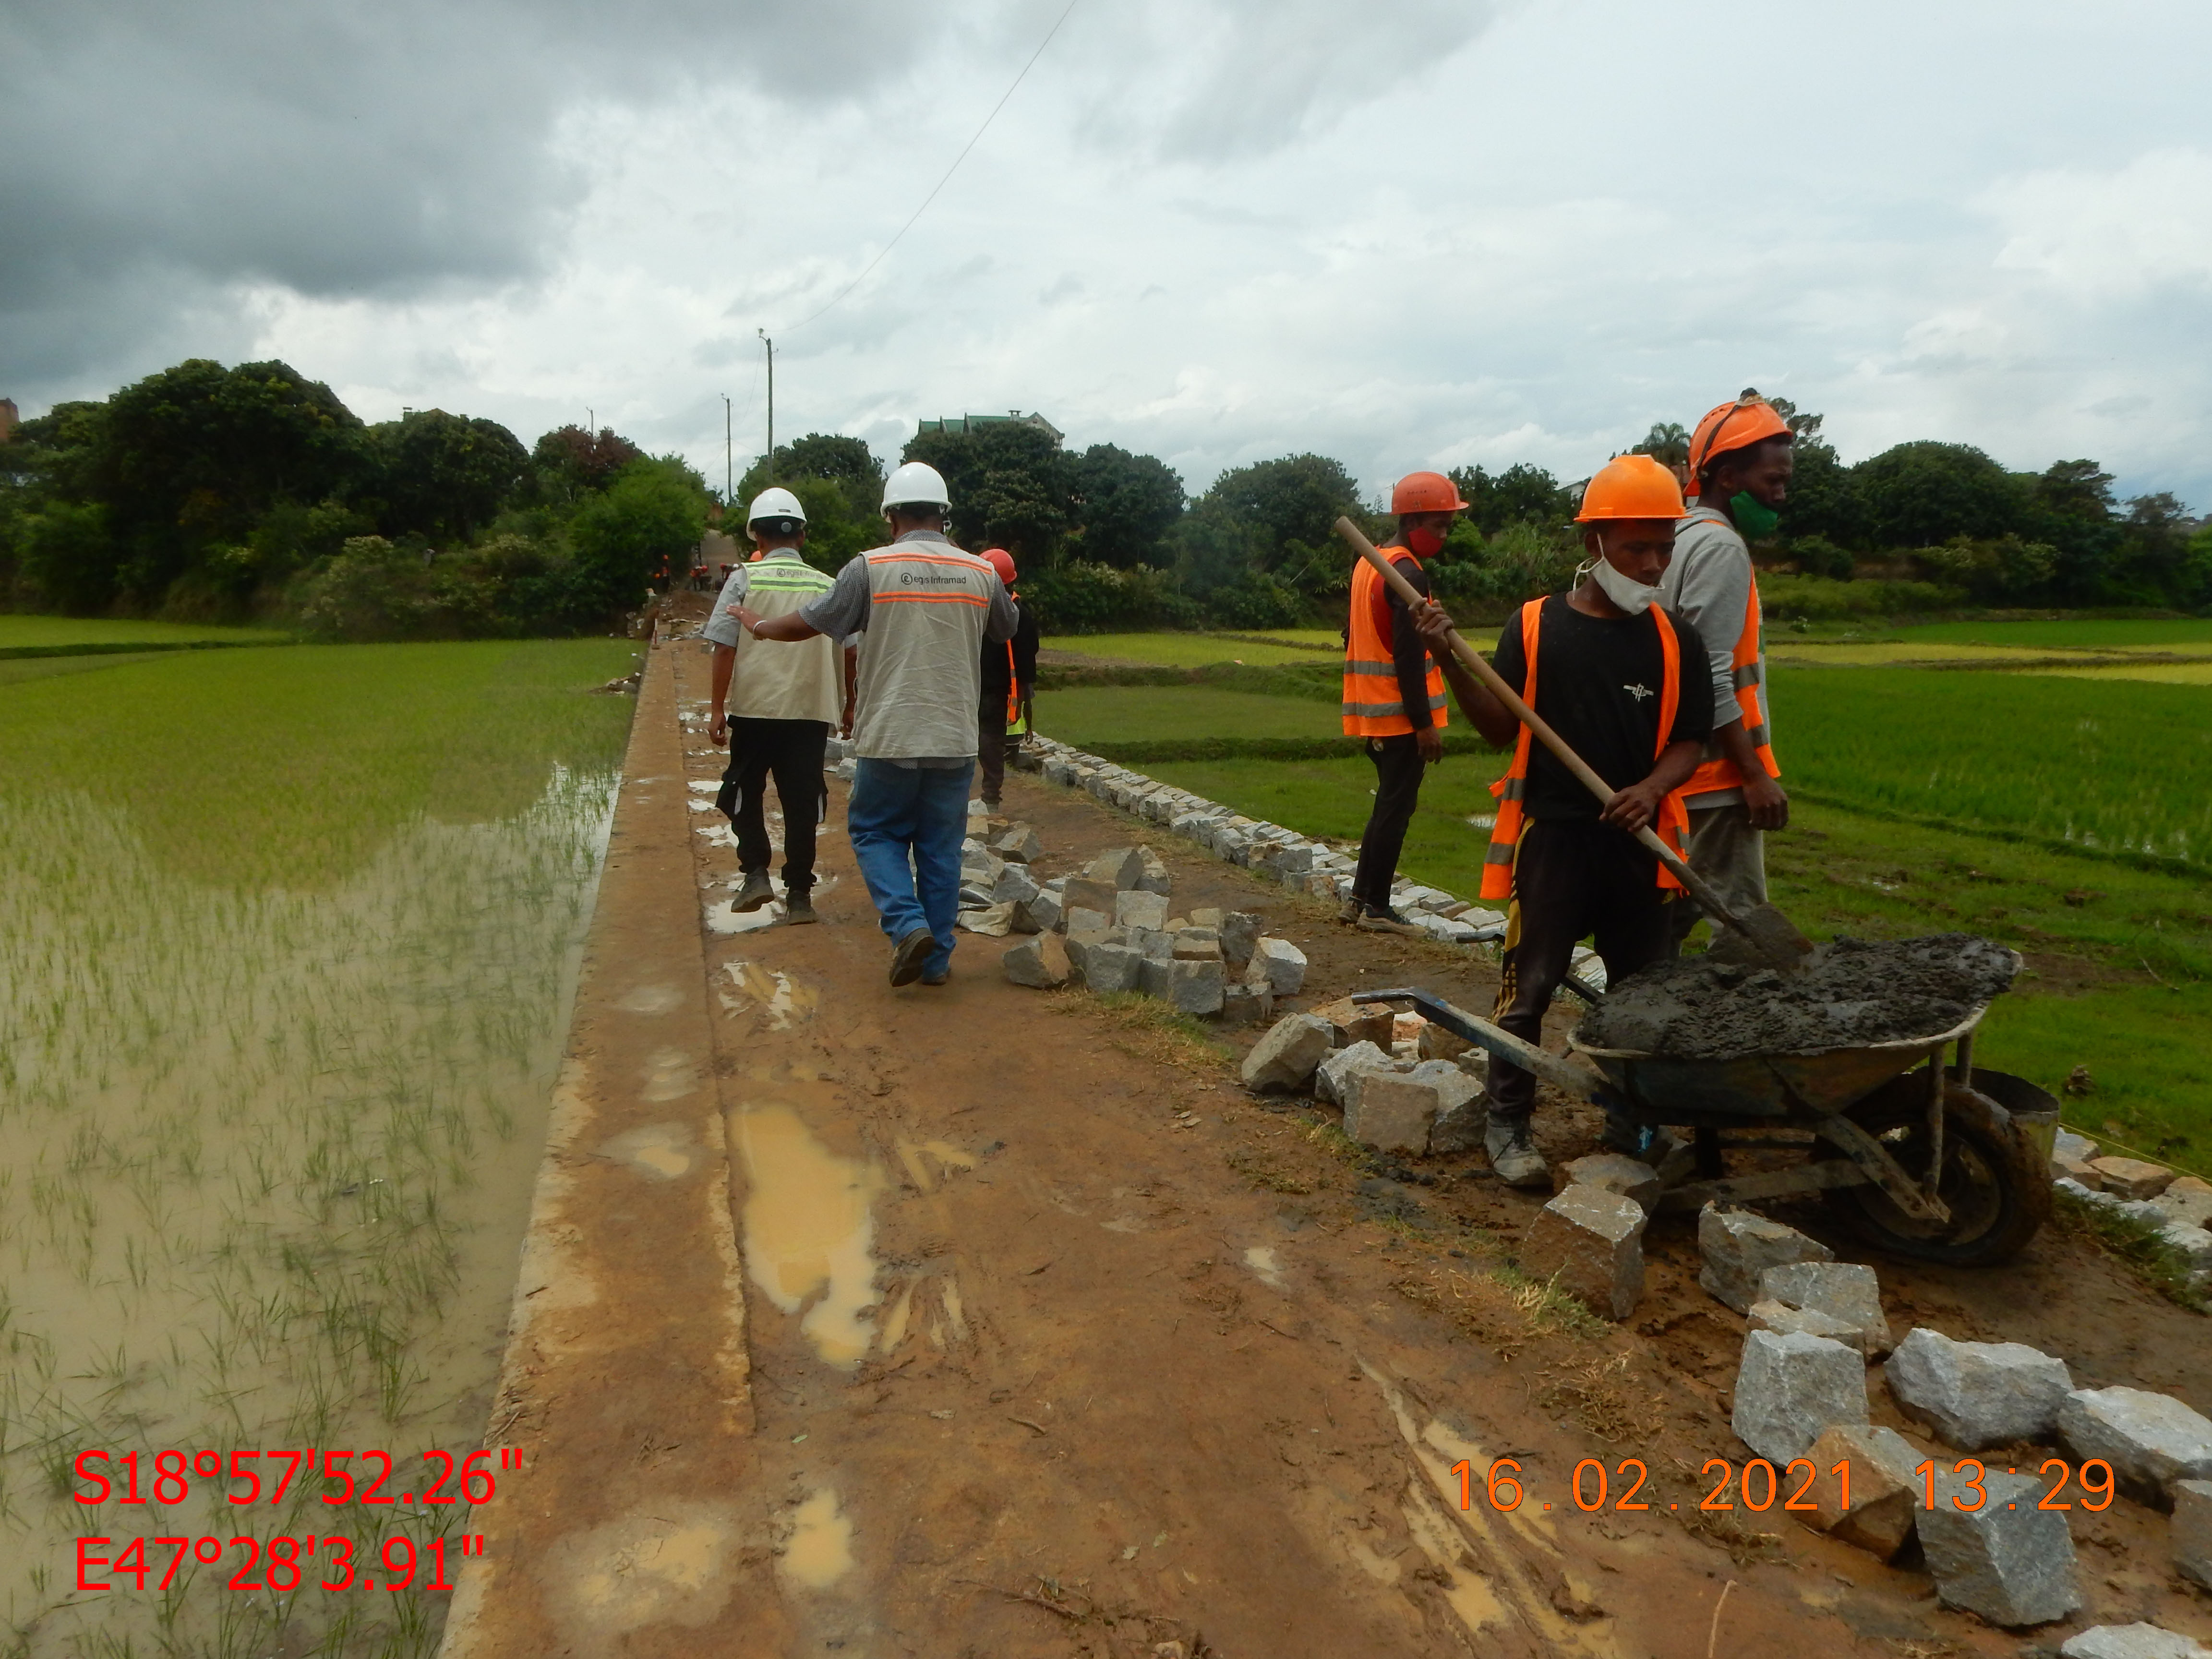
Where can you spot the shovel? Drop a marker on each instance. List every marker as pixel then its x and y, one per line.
pixel 1773 938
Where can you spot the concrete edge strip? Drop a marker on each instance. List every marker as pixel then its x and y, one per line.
pixel 544 1245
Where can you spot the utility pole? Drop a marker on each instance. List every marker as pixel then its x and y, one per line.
pixel 770 344
pixel 729 486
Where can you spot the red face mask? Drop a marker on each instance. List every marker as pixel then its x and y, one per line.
pixel 1425 540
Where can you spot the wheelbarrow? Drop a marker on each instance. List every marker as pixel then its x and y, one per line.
pixel 1946 1164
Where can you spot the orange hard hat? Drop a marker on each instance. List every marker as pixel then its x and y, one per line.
pixel 1749 420
pixel 1631 486
pixel 1002 561
pixel 1425 492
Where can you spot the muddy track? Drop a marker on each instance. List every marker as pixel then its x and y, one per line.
pixel 977 1320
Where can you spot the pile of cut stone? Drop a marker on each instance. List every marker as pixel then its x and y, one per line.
pixel 1299 862
pixel 1414 1093
pixel 1109 929
pixel 2177 1207
pixel 1800 1392
pixel 998 894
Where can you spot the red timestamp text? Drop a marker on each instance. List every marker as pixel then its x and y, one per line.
pixel 281 1564
pixel 251 1477
pixel 1797 1486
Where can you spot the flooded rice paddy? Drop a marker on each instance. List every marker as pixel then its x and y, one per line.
pixel 269 1125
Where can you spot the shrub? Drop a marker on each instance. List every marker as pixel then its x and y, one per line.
pixel 371 590
pixel 1258 601
pixel 1817 599
pixel 1992 571
pixel 1816 556
pixel 1080 597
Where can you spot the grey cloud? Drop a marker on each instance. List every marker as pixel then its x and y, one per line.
pixel 1212 79
pixel 159 152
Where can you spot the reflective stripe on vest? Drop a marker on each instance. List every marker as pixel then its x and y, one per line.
pixel 1373 706
pixel 1720 772
pixel 1506 832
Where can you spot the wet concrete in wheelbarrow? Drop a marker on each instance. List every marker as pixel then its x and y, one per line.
pixel 1055 1343
pixel 1851 994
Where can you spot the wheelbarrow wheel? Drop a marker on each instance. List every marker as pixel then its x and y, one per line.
pixel 1995 1185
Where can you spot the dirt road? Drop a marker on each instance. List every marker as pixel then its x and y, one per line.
pixel 979 1321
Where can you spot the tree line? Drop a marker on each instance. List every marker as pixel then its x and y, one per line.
pixel 212 493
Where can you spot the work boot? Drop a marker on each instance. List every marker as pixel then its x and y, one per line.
pixel 909 953
pixel 1513 1155
pixel 758 891
pixel 798 907
pixel 1385 920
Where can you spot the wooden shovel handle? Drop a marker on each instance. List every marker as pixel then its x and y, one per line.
pixel 1697 887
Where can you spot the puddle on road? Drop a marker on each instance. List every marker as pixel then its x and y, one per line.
pixel 661 1150
pixel 810 1229
pixel 1504 1572
pixel 652 999
pixel 785 1000
pixel 723 918
pixel 1261 1260
pixel 820 1552
pixel 948 1156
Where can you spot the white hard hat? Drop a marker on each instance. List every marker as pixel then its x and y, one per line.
pixel 916 485
pixel 774 504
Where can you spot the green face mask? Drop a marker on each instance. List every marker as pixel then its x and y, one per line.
pixel 1755 518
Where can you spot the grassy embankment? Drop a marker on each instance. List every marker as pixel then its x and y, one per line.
pixel 2053 808
pixel 284 940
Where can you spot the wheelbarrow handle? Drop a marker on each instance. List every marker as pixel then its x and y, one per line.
pixel 1563 1075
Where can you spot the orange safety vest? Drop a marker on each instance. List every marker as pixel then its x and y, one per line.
pixel 1721 772
pixel 1674 823
pixel 1373 707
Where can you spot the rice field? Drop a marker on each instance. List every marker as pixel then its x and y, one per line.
pixel 2078 634
pixel 287 939
pixel 22 633
pixel 2107 765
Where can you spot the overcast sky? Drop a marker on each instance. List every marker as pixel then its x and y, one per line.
pixel 1407 233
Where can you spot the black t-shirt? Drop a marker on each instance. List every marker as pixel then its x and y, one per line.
pixel 1597 682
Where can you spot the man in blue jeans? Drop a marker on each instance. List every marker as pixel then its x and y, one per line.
pixel 923 609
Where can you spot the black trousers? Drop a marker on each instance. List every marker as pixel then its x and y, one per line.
pixel 991 744
pixel 1398 768
pixel 1572 877
pixel 791 751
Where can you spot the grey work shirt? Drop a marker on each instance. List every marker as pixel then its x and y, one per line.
pixel 1709 586
pixel 844 610
pixel 722 628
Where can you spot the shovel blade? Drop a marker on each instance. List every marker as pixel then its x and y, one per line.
pixel 1763 934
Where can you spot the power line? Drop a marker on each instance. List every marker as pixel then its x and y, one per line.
pixel 949 171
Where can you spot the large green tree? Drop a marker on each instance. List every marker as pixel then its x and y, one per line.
pixel 444 476
pixel 198 455
pixel 649 517
pixel 1522 494
pixel 1919 494
pixel 1126 504
pixel 845 461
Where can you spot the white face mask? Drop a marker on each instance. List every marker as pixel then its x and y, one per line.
pixel 1631 595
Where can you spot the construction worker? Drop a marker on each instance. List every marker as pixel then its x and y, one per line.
pixel 1009 683
pixel 1612 684
pixel 775 708
pixel 924 609
pixel 1739 465
pixel 1394 695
